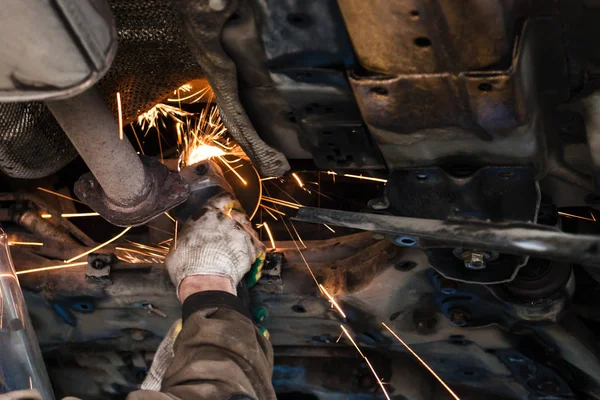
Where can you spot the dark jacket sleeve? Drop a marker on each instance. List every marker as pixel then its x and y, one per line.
pixel 218 355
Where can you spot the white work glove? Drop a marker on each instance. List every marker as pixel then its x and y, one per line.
pixel 162 359
pixel 216 240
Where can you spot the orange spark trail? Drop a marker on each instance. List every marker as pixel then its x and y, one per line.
pixel 25 243
pixel 332 300
pixel 232 170
pixel 175 235
pixel 270 213
pixel 99 246
pixel 75 215
pixel 266 226
pixel 120 113
pixel 59 195
pixel 368 362
pixel 297 234
pixel 297 178
pixel 564 214
pixel 421 361
pixel 51 267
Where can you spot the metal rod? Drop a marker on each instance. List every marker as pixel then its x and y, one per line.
pixel 94 132
pixel 511 238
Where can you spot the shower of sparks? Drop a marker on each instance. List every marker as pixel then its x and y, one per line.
pixel 186 88
pixel 205 138
pixel 99 246
pixel 149 247
pixel 141 252
pixel 564 214
pixel 328 227
pixel 134 256
pixel 297 178
pixel 422 362
pixel 361 177
pixel 204 152
pixel 25 243
pixel 266 226
pixel 120 114
pixel 367 361
pixel 59 195
pixel 333 302
pixel 51 267
pixel 152 117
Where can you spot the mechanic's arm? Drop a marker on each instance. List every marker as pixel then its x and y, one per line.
pixel 218 353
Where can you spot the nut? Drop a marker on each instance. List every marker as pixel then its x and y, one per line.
pixel 474 259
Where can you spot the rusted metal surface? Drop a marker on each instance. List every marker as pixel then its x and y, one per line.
pixel 512 238
pixel 205 22
pixel 164 190
pixel 423 36
pixel 492 115
pixel 43 205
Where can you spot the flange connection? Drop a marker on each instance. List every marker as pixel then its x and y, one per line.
pixel 163 190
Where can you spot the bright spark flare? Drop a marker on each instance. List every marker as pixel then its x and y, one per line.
pixel 25 243
pixel 297 178
pixel 73 215
pixel 120 114
pixel 204 152
pixel 205 139
pixel 422 362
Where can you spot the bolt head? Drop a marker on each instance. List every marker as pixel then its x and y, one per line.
pixel 475 260
pixel 458 317
pixel 447 286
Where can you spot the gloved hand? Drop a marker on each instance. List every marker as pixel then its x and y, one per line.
pixel 217 240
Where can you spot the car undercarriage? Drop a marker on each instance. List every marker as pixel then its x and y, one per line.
pixel 423 173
